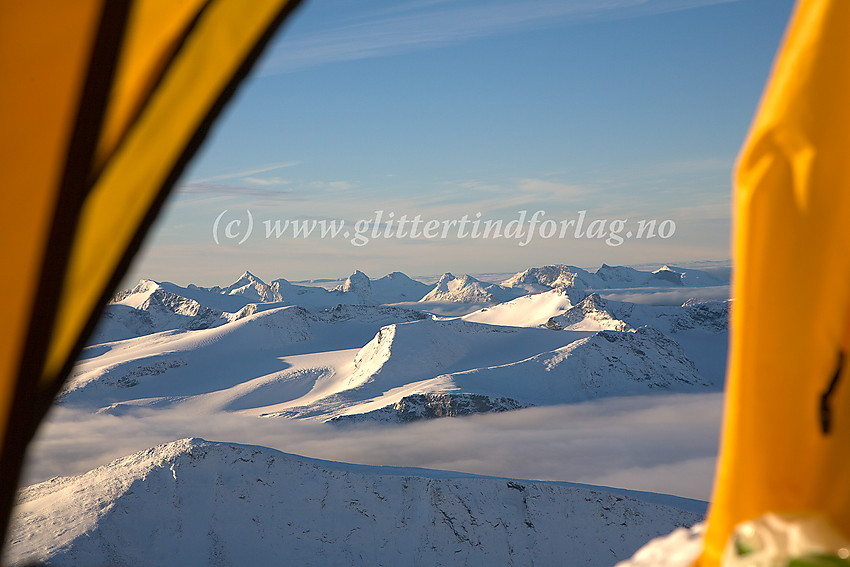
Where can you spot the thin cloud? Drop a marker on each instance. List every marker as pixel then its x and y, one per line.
pixel 671 297
pixel 427 25
pixel 543 189
pixel 334 185
pixel 247 173
pixel 215 191
pixel 266 182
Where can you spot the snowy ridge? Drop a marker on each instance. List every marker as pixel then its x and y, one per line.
pixel 545 278
pixel 536 280
pixel 250 286
pixel 403 352
pixel 531 310
pixel 608 363
pixel 151 307
pixel 416 358
pixel 700 328
pixel 288 362
pixel 243 356
pixel 193 502
pixel 594 312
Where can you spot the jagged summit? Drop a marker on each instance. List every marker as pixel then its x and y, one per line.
pixel 246 279
pixel 247 276
pixel 545 278
pixel 359 283
pixel 467 289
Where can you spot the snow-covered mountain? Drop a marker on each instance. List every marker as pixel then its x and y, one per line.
pixel 536 280
pixel 239 359
pixel 545 278
pixel 288 362
pixel 466 289
pixel 701 328
pixel 596 313
pixel 251 287
pixel 608 363
pixel 366 362
pixel 368 358
pixel 193 502
pixel 151 307
pixel 139 295
pixel 395 287
pixel 532 310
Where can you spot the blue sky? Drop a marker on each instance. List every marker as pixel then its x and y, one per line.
pixel 626 109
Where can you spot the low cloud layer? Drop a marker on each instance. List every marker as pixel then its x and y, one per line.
pixel 660 443
pixel 655 296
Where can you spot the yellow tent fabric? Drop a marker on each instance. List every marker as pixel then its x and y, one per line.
pixel 787 422
pixel 103 104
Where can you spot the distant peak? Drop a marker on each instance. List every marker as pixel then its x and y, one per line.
pixel 357 282
pixel 665 268
pixel 248 277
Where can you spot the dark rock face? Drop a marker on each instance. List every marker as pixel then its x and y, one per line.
pixel 430 406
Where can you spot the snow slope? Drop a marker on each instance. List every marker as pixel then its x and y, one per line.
pixel 702 329
pixel 531 310
pixel 193 502
pixel 243 356
pixel 413 358
pixel 288 362
pixel 608 363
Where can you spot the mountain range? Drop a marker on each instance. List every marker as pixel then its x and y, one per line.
pixel 368 353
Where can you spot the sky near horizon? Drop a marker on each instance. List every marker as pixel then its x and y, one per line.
pixel 581 113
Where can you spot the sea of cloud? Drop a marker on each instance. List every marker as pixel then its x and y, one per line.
pixel 661 443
